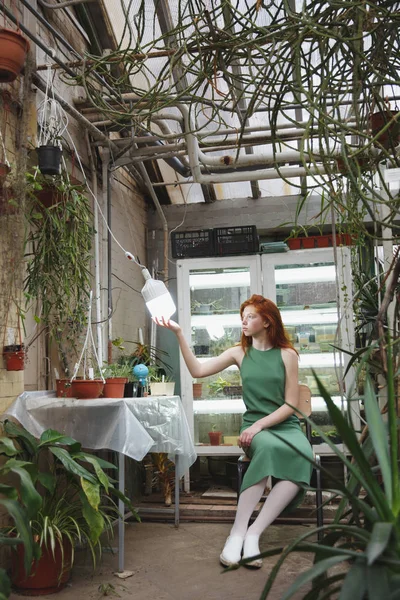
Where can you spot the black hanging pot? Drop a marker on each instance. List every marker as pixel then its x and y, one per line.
pixel 49 159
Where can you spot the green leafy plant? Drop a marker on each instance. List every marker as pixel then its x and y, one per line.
pixel 22 504
pixel 76 498
pixel 217 387
pixel 111 370
pixel 365 534
pixel 58 244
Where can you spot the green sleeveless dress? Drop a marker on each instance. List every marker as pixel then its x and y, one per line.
pixel 263 377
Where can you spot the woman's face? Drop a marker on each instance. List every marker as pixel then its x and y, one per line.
pixel 252 322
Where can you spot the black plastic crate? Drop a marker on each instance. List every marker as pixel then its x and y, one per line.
pixel 191 244
pixel 235 240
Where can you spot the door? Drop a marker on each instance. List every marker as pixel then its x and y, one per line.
pixel 210 292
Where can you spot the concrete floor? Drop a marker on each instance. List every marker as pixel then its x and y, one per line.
pixel 181 564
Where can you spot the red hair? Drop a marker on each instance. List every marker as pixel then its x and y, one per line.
pixel 270 312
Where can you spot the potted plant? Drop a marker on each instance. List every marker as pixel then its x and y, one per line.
pixel 334 436
pixel 77 505
pixel 217 387
pixel 215 436
pixel 385 120
pixel 58 253
pixel 164 471
pixel 116 376
pixel 197 389
pixel 160 384
pixel 13 50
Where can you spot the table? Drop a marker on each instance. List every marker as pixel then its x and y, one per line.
pixel 130 426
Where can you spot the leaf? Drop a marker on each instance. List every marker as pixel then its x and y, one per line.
pixel 102 477
pixel 318 569
pixel 366 476
pixel 20 517
pixel 104 464
pixel 50 436
pixel 355 583
pixel 379 435
pixel 92 492
pixel 48 481
pixel 9 491
pixel 29 495
pixel 70 465
pixel 377 579
pixel 380 537
pixel 93 518
pixel 7 447
pixel 5 585
pixel 23 436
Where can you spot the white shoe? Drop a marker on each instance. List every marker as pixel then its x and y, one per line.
pixel 232 552
pixel 251 548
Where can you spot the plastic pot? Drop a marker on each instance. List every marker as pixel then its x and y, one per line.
pixel 131 389
pixel 114 387
pixel 13 50
pixel 14 357
pixel 322 241
pixel 63 388
pixel 49 158
pixel 391 136
pixel 87 389
pixel 197 390
pixel 308 242
pixel 215 437
pixel 48 575
pixel 294 243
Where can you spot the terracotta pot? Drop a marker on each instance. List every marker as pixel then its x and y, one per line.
pixel 87 389
pixel 391 136
pixel 48 574
pixel 344 239
pixel 63 388
pixel 294 244
pixel 49 196
pixel 6 208
pixel 322 241
pixel 13 50
pixel 4 171
pixel 197 390
pixel 14 357
pixel 308 242
pixel 114 387
pixel 215 437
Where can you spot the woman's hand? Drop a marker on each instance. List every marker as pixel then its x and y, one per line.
pixel 247 435
pixel 168 324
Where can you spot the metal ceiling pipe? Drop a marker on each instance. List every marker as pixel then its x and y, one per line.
pixel 173 162
pixel 199 177
pixel 63 5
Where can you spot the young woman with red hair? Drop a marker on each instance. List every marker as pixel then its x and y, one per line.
pixel 268 366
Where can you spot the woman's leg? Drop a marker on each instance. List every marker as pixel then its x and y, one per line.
pixel 279 497
pixel 248 500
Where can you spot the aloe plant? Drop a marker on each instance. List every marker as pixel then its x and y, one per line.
pixel 365 534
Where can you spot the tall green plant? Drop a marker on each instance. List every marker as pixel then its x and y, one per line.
pixel 76 494
pixel 58 245
pixel 365 534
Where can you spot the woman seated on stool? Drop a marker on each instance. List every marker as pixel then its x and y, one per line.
pixel 268 366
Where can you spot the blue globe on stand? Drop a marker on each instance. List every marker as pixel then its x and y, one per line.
pixel 140 372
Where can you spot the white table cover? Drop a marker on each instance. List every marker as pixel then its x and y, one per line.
pixel 132 426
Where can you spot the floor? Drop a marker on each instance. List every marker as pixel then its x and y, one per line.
pixel 181 564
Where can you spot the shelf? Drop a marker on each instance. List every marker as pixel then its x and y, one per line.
pixel 310 316
pixel 237 406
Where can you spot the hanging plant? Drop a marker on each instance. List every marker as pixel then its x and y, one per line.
pixel 58 245
pixel 13 50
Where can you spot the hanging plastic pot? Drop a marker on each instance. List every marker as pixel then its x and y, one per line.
pixel 49 158
pixel 13 50
pixel 391 136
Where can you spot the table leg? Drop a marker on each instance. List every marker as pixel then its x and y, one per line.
pixel 177 482
pixel 121 508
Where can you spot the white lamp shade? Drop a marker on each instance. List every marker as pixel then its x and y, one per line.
pixel 157 297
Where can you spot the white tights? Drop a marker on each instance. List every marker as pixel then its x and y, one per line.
pixel 279 497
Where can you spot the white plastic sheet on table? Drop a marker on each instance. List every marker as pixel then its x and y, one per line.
pixel 132 426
